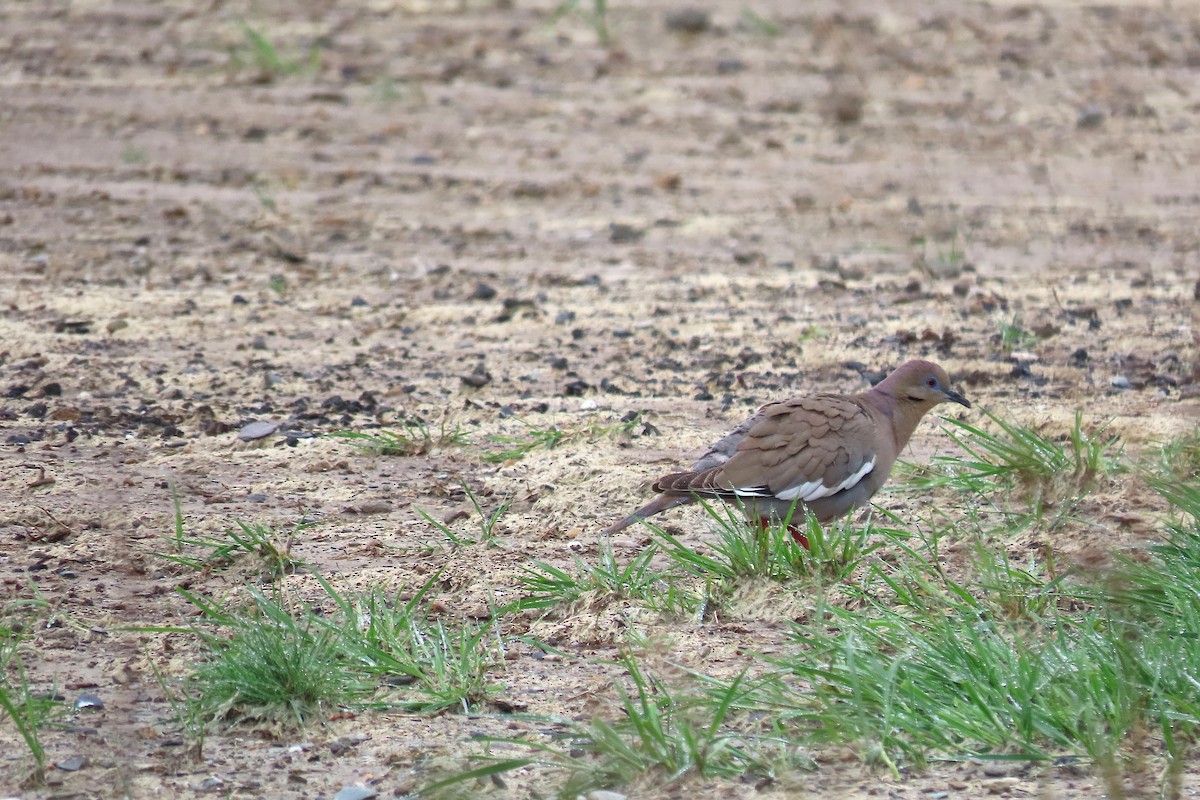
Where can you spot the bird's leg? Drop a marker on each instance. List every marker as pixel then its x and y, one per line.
pixel 794 530
pixel 799 536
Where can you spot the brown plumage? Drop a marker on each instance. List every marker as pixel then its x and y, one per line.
pixel 825 453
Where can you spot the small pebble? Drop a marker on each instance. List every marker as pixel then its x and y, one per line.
pixel 620 233
pixel 355 793
pixel 257 430
pixel 88 701
pixel 483 292
pixel 72 763
pixel 604 794
pixel 687 20
pixel 1121 382
pixel 1090 117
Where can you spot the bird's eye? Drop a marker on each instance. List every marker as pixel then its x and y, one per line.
pixel 931 382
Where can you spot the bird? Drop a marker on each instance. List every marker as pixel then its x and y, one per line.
pixel 819 454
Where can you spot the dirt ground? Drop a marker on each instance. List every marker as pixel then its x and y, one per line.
pixel 471 212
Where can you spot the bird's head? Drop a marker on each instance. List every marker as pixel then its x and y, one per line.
pixel 923 384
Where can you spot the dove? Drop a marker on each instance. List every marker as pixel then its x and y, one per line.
pixel 821 454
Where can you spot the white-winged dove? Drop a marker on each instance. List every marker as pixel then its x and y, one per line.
pixel 824 453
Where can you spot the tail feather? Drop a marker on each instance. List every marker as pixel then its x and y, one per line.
pixel 660 503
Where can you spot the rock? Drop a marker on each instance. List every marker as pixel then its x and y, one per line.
pixel 1090 117
pixel 483 291
pixel 687 20
pixel 621 233
pixel 604 794
pixel 1121 382
pixel 355 793
pixel 88 701
pixel 478 377
pixel 257 430
pixel 72 763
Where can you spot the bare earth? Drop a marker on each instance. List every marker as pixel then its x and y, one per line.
pixel 683 225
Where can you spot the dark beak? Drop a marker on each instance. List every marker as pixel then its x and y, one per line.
pixel 955 397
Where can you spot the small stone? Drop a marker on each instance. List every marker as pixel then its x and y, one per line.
pixel 355 793
pixel 588 405
pixel 576 388
pixel 1090 117
pixel 604 794
pixel 621 233
pixel 1001 785
pixel 483 291
pixel 1121 382
pixel 687 20
pixel 257 430
pixel 478 377
pixel 211 784
pixel 88 700
pixel 72 763
pixel 359 302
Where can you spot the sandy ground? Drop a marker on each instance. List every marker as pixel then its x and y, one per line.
pixel 472 213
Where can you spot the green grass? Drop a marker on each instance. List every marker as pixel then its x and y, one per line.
pixel 271 662
pixel 29 711
pixel 258 52
pixel 486 522
pixel 1017 665
pixel 596 17
pixel 1180 457
pixel 269 550
pixel 1045 471
pixel 1013 336
pixel 603 582
pixel 659 735
pixel 413 438
pixel 435 665
pixel 750 20
pixel 743 550
pixel 270 659
pixel 516 447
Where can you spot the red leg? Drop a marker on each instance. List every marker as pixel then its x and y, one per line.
pixel 799 536
pixel 795 531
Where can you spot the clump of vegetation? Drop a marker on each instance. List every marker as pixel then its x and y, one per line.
pixel 413 438
pixel 1043 470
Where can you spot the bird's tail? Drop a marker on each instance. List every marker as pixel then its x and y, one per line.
pixel 660 503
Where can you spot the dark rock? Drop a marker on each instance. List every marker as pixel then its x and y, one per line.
pixel 687 20
pixel 478 377
pixel 483 291
pixel 621 233
pixel 1089 118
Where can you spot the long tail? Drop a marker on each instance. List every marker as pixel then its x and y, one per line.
pixel 660 503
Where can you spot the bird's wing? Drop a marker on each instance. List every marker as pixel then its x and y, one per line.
pixel 805 448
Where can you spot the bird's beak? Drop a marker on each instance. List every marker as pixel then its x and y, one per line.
pixel 955 397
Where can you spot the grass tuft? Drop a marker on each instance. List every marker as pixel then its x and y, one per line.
pixel 1044 471
pixel 271 664
pixel 414 438
pixel 605 581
